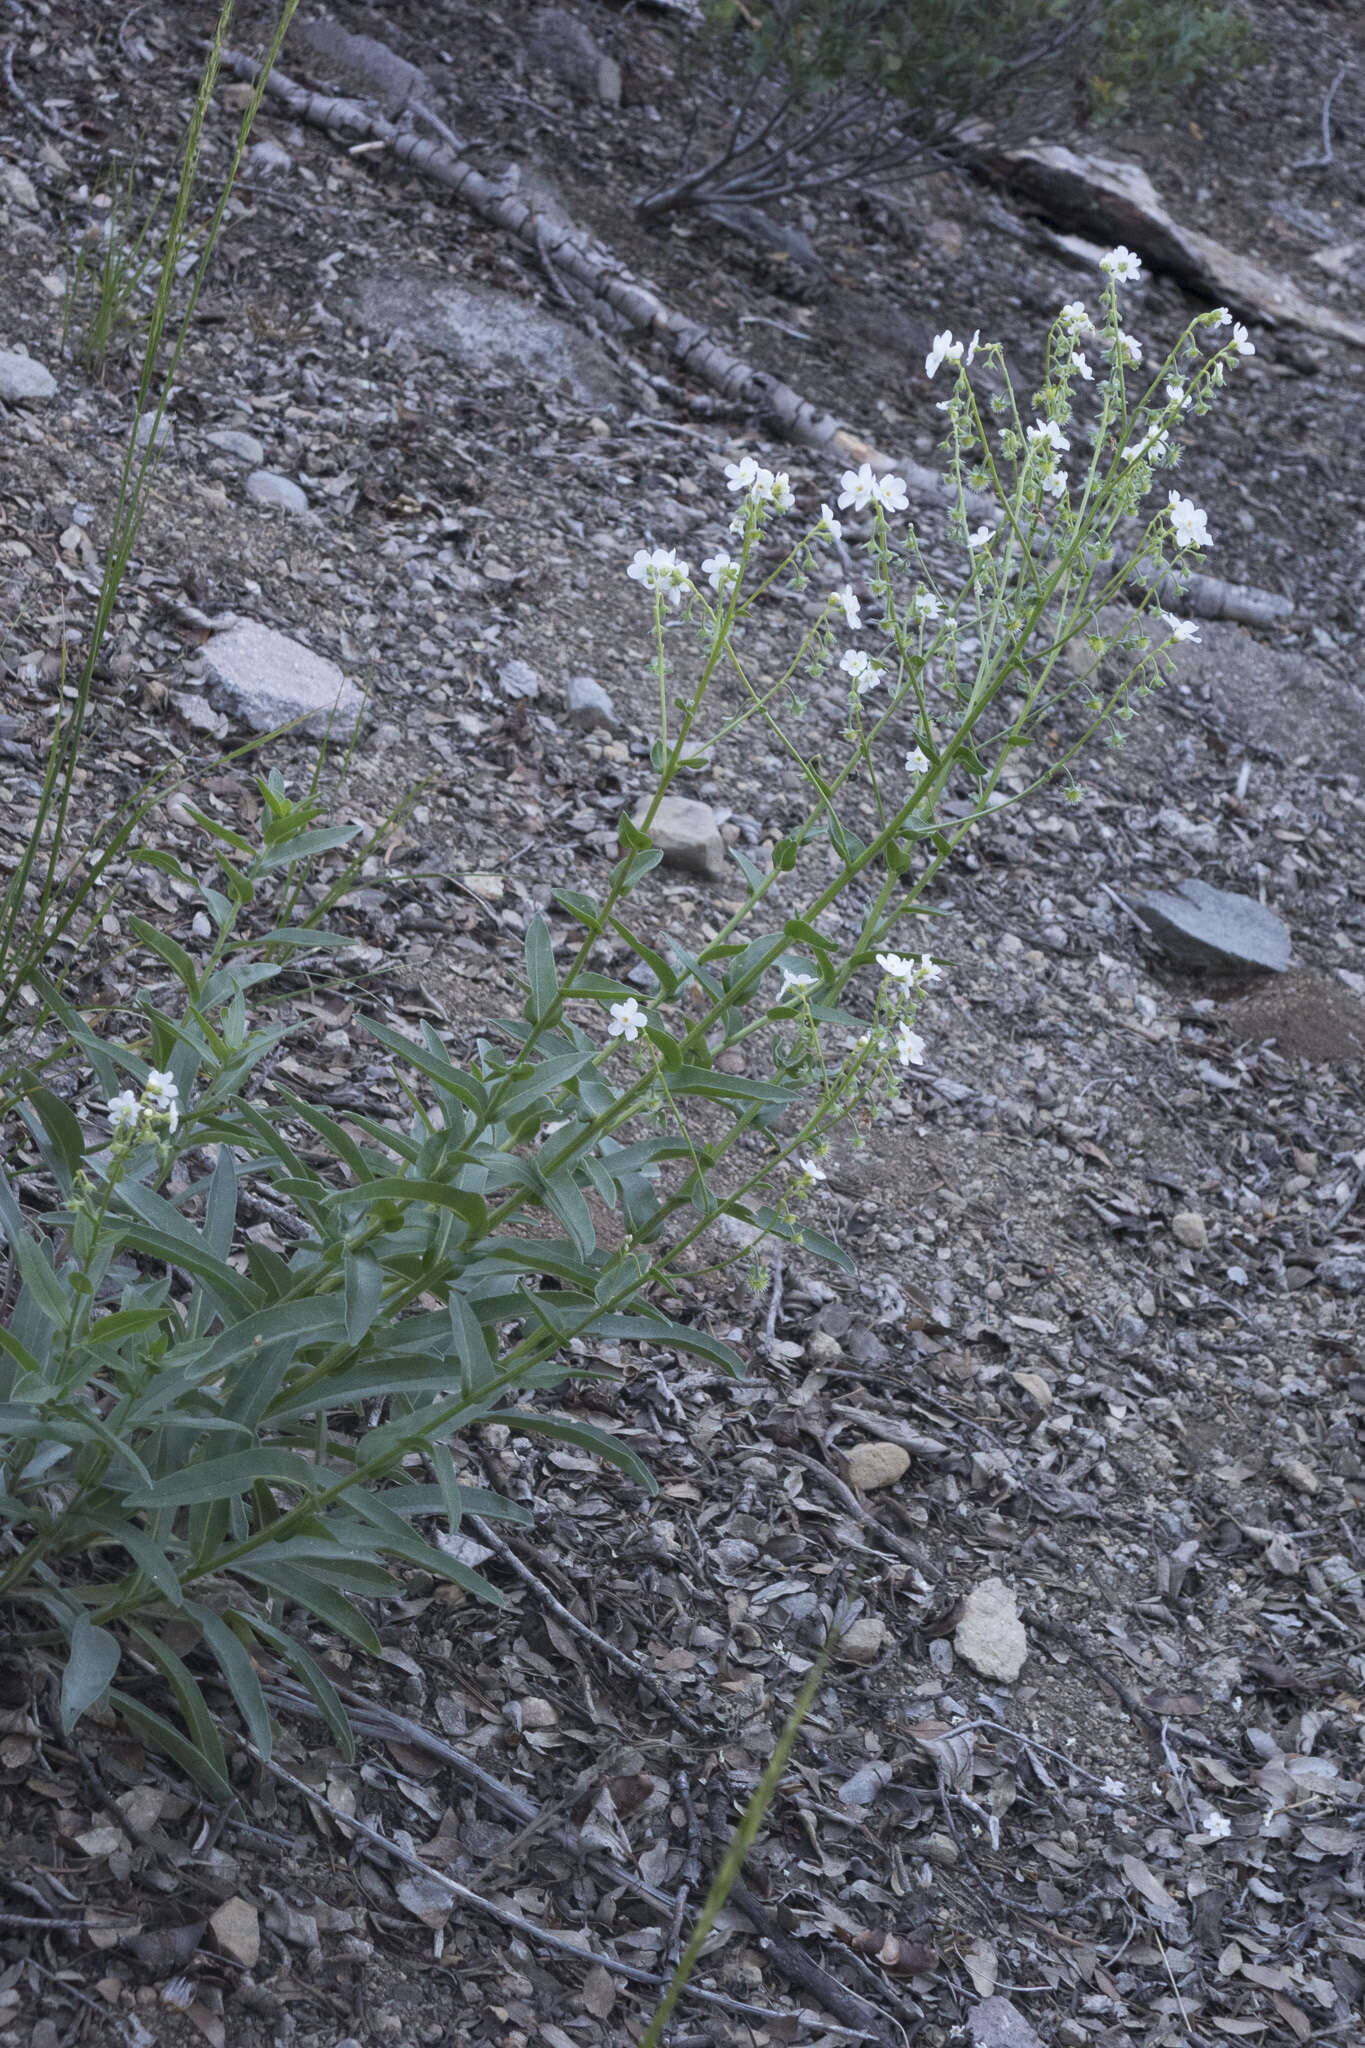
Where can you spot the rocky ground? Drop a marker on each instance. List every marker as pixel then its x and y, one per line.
pixel 1083 1435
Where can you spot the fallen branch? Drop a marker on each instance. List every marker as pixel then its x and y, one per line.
pixel 574 254
pixel 1320 163
pixel 560 1944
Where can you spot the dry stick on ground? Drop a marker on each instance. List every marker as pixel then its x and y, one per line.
pixel 574 254
pixel 368 1718
pixel 1320 163
pixel 34 112
pixel 547 1938
pixel 617 1658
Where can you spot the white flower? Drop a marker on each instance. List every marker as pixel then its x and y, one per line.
pixel 161 1097
pixel 855 663
pixel 862 487
pixel 1122 265
pixel 811 1170
pixel 1082 367
pixel 1114 1788
pixel 1241 341
pixel 1054 483
pixel 1074 318
pixel 719 568
pixel 628 1020
pixel 983 536
pixel 1189 525
pixel 1214 1826
pixel 857 488
pixel 742 476
pixel 917 762
pixel 909 1047
pixel 848 601
pixel 1047 432
pixel 897 968
pixel 1221 317
pixel 799 982
pixel 124 1112
pixel 1150 448
pixel 1178 395
pixel 660 569
pixel 779 492
pixel 831 527
pixel 1180 629
pixel 928 971
pixel 926 606
pixel 973 345
pixel 1123 346
pixel 945 349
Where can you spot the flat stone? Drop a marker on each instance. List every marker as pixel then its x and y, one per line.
pixel 24 381
pixel 147 427
pixel 264 487
pixel 1209 927
pixel 997 2023
pixel 877 1464
pixel 1190 1229
pixel 864 1641
pixel 267 679
pixel 588 704
pixel 18 188
pixel 990 1636
pixel 245 447
pixel 487 332
pixel 518 679
pixel 237 1931
pixel 1344 1272
pixel 687 834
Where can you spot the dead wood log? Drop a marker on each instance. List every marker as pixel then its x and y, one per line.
pixel 588 264
pixel 1113 199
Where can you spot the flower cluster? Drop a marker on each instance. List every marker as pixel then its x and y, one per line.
pixel 760 486
pixel 133 1116
pixel 661 569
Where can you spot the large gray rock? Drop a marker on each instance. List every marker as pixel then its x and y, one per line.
pixel 267 679
pixel 265 487
pixel 23 381
pixel 563 46
pixel 244 447
pixel 487 331
pixel 1208 927
pixel 687 834
pixel 588 704
pixel 366 64
pixel 997 2023
pixel 1276 697
pixel 990 1636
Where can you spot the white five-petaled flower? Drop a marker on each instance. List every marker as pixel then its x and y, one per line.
pixel 790 981
pixel 1177 395
pixel 830 527
pixel 719 568
pixel 811 1170
pixel 909 1047
pixel 847 600
pixel 742 476
pixel 1180 629
pixel 1048 433
pixel 944 350
pixel 928 970
pixel 660 569
pixel 1122 265
pixel 917 762
pixel 1082 367
pixel 1054 483
pixel 1221 317
pixel 862 487
pixel 896 967
pixel 1114 1788
pixel 983 536
pixel 161 1096
pixel 779 492
pixel 124 1112
pixel 1189 525
pixel 1150 448
pixel 1214 1826
pixel 1123 346
pixel 627 1020
pixel 926 606
pixel 1241 340
pixel 1074 318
